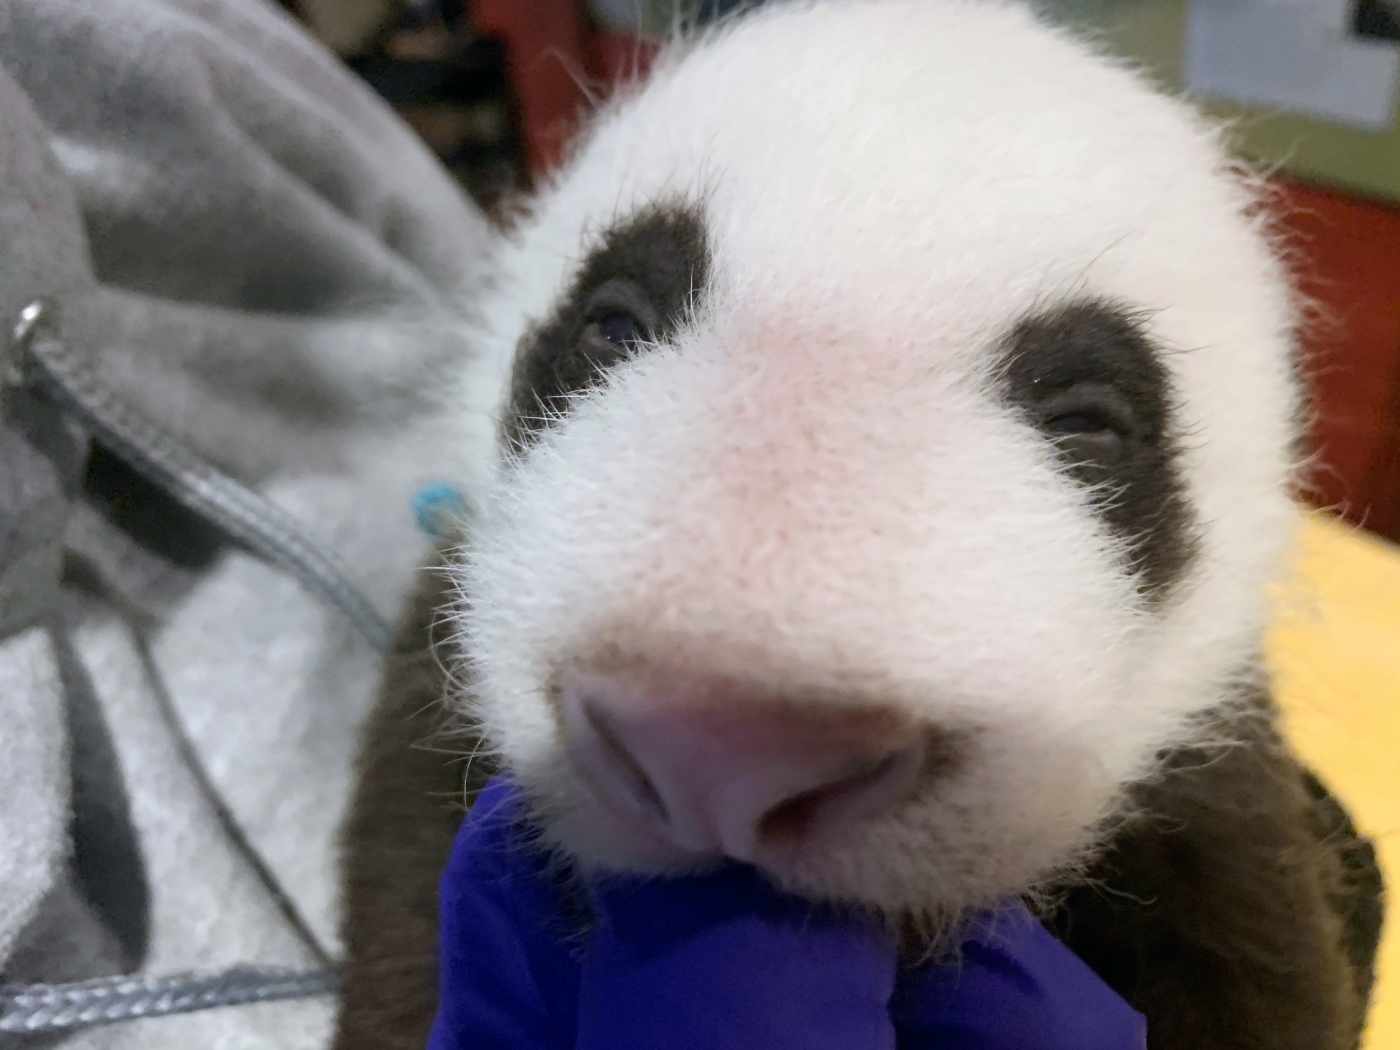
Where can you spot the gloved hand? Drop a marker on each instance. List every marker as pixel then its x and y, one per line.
pixel 532 960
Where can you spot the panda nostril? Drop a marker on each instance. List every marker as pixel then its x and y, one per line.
pixel 792 820
pixel 641 788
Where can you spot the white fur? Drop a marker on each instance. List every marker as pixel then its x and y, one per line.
pixel 813 486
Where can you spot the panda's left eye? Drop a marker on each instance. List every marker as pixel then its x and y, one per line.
pixel 1090 423
pixel 1079 421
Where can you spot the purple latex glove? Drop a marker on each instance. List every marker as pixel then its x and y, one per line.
pixel 725 962
pixel 690 963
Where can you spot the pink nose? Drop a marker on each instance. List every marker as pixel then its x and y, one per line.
pixel 715 772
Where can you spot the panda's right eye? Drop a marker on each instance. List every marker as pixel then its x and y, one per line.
pixel 631 294
pixel 620 328
pixel 619 314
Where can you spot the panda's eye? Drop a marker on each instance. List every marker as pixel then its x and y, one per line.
pixel 620 328
pixel 1089 422
pixel 619 315
pixel 1079 421
pixel 1094 391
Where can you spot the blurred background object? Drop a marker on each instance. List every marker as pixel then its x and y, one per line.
pixel 344 26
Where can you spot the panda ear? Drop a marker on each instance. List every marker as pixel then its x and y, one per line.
pixel 1088 378
pixel 644 273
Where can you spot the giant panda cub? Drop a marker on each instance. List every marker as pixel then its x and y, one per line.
pixel 895 421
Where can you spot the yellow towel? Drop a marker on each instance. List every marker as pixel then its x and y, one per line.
pixel 1335 654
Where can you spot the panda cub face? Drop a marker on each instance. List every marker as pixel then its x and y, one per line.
pixel 895 451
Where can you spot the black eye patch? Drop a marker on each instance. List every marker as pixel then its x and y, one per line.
pixel 633 289
pixel 1089 379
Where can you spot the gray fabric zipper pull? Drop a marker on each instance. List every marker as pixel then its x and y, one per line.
pixel 36 1008
pixel 38 356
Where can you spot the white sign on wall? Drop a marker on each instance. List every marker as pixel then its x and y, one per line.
pixel 1305 56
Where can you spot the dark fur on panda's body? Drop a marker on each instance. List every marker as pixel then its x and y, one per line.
pixel 408 801
pixel 1238 909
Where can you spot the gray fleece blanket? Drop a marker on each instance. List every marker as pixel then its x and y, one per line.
pixel 250 248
